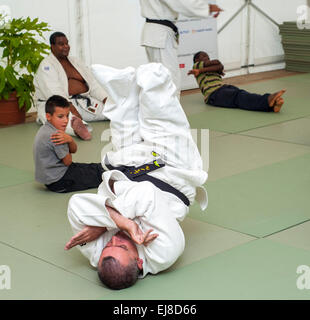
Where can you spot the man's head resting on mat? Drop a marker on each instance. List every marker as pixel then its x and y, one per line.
pixel 201 56
pixel 119 264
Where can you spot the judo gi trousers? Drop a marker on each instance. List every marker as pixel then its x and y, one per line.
pixel 79 176
pixel 229 96
pixel 168 56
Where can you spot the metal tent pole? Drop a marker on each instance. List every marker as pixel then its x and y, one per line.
pixel 263 13
pixel 247 5
pixel 80 31
pixel 248 38
pixel 231 18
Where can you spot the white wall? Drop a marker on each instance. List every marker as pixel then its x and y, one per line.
pixel 114 29
pixel 265 42
pixel 109 30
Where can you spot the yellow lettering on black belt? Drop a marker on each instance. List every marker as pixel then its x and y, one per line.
pixel 156 164
pixel 145 168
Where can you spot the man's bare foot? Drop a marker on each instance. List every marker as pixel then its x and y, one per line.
pixel 272 98
pixel 80 129
pixel 278 104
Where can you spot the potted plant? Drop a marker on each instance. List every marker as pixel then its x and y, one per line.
pixel 22 51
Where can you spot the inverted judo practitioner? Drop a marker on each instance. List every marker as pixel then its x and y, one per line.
pixel 66 76
pixel 154 172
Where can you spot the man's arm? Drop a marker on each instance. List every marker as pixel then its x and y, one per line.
pixel 131 227
pixel 88 234
pixel 74 111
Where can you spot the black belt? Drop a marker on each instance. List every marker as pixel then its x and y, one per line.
pixel 166 23
pixel 78 96
pixel 139 174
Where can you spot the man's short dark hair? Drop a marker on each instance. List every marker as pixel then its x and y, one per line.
pixel 55 35
pixel 55 101
pixel 115 276
pixel 196 55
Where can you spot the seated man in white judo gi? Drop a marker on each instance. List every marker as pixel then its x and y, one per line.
pixel 66 76
pixel 131 226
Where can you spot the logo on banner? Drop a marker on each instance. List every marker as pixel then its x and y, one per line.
pixel 201 30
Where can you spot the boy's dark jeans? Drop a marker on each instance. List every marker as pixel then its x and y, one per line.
pixel 229 96
pixel 79 176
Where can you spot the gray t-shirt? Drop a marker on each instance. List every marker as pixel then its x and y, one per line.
pixel 48 157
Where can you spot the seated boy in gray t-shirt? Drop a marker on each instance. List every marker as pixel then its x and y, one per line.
pixel 52 151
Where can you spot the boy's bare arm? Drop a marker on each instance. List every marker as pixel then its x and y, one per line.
pixel 67 160
pixel 209 66
pixel 60 137
pixel 214 68
pixel 211 63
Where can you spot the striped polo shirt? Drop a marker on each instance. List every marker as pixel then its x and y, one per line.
pixel 208 82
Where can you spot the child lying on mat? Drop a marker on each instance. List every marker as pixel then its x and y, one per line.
pixel 209 74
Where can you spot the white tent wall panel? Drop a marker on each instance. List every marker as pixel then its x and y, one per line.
pixel 108 32
pixel 114 33
pixel 265 49
pixel 230 40
pixel 59 14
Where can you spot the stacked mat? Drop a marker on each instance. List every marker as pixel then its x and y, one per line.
pixel 296 45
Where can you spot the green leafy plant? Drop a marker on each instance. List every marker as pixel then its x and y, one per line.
pixel 22 53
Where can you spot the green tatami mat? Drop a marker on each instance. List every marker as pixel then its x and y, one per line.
pixel 32 278
pixel 36 223
pixel 232 154
pixel 193 104
pixel 297 236
pixel 262 201
pixel 17 141
pixel 294 131
pixel 235 120
pixel 16 146
pixel 260 269
pixel 204 240
pixel 11 176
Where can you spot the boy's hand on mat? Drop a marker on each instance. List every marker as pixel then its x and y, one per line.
pixel 88 234
pixel 195 72
pixel 60 137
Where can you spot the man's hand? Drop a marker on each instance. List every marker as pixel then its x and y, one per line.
pixel 131 228
pixel 88 234
pixel 60 137
pixel 215 8
pixel 138 236
pixel 195 72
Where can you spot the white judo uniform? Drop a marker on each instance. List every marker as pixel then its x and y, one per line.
pixel 51 79
pixel 159 40
pixel 147 123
